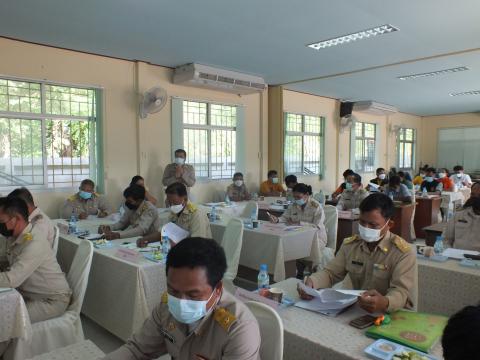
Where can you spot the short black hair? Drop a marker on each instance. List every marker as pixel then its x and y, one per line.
pixel 181 151
pixel 460 336
pixel 24 194
pixel 291 179
pixel 401 174
pixel 458 168
pixel 431 169
pixel 303 189
pixel 135 179
pixel 87 182
pixel 380 169
pixel 14 206
pixel 136 192
pixel 378 201
pixel 474 203
pixel 348 172
pixel 199 252
pixel 237 174
pixel 176 189
pixel 394 180
pixel 357 179
pixel 272 172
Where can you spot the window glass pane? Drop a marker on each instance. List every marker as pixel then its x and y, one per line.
pixel 196 145
pixel 19 96
pixel 358 129
pixel 194 113
pixel 223 154
pixel 409 134
pixel 312 124
pixel 21 162
pixel 294 122
pixel 223 115
pixel 61 100
pixel 408 156
pixel 68 152
pixel 311 151
pixel 370 155
pixel 370 131
pixel 293 154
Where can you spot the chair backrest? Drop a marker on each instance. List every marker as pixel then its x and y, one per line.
pixel 55 239
pixel 271 330
pixel 232 244
pixel 251 205
pixel 320 197
pixel 77 276
pixel 331 225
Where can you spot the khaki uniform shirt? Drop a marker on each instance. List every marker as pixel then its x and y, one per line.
pixel 140 222
pixel 228 332
pixel 463 231
pixel 236 193
pixel 350 199
pixel 391 269
pixel 188 177
pixel 194 220
pixel 91 206
pixel 34 270
pixel 42 223
pixel 311 214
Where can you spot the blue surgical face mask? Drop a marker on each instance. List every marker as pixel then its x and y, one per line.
pixel 85 195
pixel 187 311
pixel 348 186
pixel 300 202
pixel 428 178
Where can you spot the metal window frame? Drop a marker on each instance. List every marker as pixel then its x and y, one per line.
pixel 364 139
pixel 401 143
pixel 43 116
pixel 209 127
pixel 302 134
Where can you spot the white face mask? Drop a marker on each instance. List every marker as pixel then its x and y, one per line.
pixel 442 175
pixel 382 176
pixel 275 180
pixel 176 208
pixel 238 183
pixel 179 161
pixel 370 235
pixel 188 311
pixel 459 175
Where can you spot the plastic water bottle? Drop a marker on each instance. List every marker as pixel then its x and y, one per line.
pixel 213 214
pixel 255 196
pixel 253 215
pixel 438 247
pixel 424 192
pixel 227 200
pixel 72 224
pixel 165 246
pixel 263 279
pixel 390 195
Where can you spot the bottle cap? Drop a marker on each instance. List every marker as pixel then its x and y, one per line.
pixel 263 267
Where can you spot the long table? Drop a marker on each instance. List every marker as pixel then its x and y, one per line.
pixel 309 335
pixel 426 213
pixel 121 294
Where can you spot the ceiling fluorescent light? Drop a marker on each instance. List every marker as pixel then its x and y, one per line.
pixel 364 34
pixel 471 92
pixel 433 73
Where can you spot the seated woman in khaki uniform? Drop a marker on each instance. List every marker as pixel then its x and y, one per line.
pixel 138 180
pixel 184 214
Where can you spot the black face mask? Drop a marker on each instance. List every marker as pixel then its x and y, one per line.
pixel 131 206
pixel 4 231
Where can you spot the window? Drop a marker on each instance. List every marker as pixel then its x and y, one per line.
pixel 209 138
pixel 365 134
pixel 47 134
pixel 303 153
pixel 406 149
pixel 459 146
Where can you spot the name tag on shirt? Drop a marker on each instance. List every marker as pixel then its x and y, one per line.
pixel 357 263
pixel 167 336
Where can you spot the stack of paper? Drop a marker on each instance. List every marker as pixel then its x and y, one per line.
pixel 328 301
pixel 458 253
pixel 174 232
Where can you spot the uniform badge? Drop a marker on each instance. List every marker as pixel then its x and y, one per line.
pixel 168 336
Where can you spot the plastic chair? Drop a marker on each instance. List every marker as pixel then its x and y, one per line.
pixel 331 225
pixel 271 330
pixel 413 235
pixel 66 329
pixel 320 197
pixel 247 212
pixel 55 239
pixel 232 244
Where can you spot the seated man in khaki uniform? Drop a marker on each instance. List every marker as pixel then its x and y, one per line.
pixel 179 171
pixel 39 220
pixel 32 266
pixel 184 214
pixel 238 191
pixel 353 194
pixel 464 228
pixel 197 318
pixel 85 202
pixel 140 217
pixel 376 260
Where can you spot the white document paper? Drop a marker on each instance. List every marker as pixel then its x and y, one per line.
pixel 328 301
pixel 458 253
pixel 4 289
pixel 175 232
pixel 94 236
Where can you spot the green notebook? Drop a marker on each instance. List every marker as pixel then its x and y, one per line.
pixel 417 330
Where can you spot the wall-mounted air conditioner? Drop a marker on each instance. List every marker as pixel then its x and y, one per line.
pixel 373 107
pixel 217 79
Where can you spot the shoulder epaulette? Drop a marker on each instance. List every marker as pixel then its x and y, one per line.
pixel 27 237
pixel 314 204
pixel 401 244
pixel 191 207
pixel 72 198
pixel 96 194
pixel 351 239
pixel 224 318
pixel 164 299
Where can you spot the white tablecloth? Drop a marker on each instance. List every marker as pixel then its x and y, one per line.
pixel 85 350
pixel 14 319
pixel 120 294
pixel 450 197
pixel 445 288
pixel 309 335
pixel 271 244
